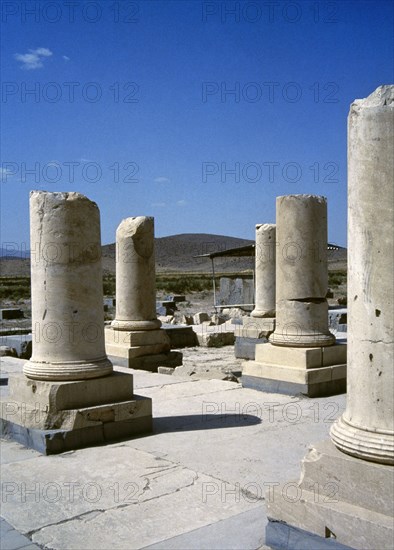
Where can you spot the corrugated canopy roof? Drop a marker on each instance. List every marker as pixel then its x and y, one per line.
pixel 245 251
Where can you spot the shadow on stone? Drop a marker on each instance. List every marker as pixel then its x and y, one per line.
pixel 203 422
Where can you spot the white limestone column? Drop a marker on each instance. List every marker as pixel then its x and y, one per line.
pixel 301 272
pixel 66 289
pixel 265 271
pixel 366 429
pixel 135 276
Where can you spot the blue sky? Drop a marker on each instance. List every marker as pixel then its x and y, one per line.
pixel 197 113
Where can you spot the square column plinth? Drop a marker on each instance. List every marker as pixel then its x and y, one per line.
pixel 315 372
pixel 254 330
pixel 330 507
pixel 141 349
pixel 53 417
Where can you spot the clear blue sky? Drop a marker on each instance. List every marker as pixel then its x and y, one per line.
pixel 133 107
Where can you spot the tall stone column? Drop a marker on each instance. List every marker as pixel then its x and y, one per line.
pixel 135 275
pixel 346 485
pixel 69 395
pixel 301 272
pixel 265 271
pixel 300 356
pixel 135 339
pixel 66 289
pixel 366 429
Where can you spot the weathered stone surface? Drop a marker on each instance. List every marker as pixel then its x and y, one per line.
pixel 265 271
pixel 149 362
pixel 54 417
pixel 235 291
pixel 135 275
pixel 127 338
pixel 310 371
pixel 216 339
pixel 200 317
pixel 329 498
pixel 306 358
pixel 218 319
pixel 165 370
pixel 181 336
pixel 136 332
pixel 187 320
pixel 301 272
pixel 245 348
pixel 6 351
pixel 355 480
pixel 66 287
pixel 366 429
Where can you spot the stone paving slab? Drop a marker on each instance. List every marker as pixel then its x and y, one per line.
pixel 11 539
pixel 199 481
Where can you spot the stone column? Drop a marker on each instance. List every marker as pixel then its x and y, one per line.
pixel 366 429
pixel 301 272
pixel 135 276
pixel 66 289
pixel 265 271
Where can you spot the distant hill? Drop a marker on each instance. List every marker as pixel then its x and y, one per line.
pixel 176 253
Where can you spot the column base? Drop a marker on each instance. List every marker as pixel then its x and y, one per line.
pixel 262 313
pixel 68 370
pixel 302 340
pixel 152 324
pixel 315 372
pixel 150 363
pixel 255 330
pixel 145 350
pixel 339 502
pixel 54 417
pixel 353 440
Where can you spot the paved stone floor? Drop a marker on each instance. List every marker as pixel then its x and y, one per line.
pixel 198 482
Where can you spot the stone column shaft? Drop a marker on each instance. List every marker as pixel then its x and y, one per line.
pixel 366 429
pixel 265 271
pixel 66 289
pixel 135 275
pixel 301 272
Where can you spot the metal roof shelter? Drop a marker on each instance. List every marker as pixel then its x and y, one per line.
pixel 239 252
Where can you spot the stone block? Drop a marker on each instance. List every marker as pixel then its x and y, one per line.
pixel 11 313
pixel 200 317
pixel 165 370
pixel 330 502
pixel 150 363
pixel 216 339
pixel 187 320
pixel 54 396
pixel 294 374
pixel 134 338
pixel 7 351
pixel 307 358
pixel 252 325
pixel 181 336
pixel 176 298
pixel 54 417
pixel 244 348
pixel 218 319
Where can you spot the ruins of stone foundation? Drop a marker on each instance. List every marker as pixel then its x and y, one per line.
pixel 71 395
